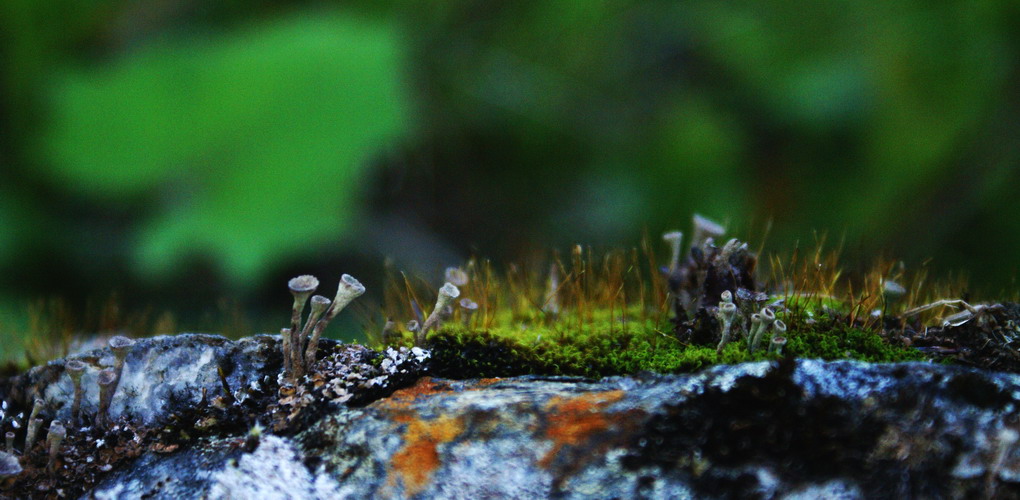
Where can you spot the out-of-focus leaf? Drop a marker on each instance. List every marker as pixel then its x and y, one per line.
pixel 254 141
pixel 19 224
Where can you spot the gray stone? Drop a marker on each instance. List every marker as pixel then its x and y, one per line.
pixel 160 375
pixel 805 430
pixel 794 429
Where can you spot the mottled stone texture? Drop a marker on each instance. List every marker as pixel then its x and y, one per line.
pixel 795 429
pixel 161 375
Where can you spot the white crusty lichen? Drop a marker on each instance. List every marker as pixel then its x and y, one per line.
pixel 272 471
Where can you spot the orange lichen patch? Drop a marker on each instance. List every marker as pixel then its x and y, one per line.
pixel 419 458
pixel 425 386
pixel 404 417
pixel 571 421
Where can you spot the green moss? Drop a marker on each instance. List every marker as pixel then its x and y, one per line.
pixel 599 348
pixel 812 305
pixel 842 342
pixel 462 354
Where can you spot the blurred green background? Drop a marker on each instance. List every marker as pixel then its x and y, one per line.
pixel 185 156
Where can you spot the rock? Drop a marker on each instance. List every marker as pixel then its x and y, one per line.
pixel 9 466
pixel 797 429
pixel 161 376
pixel 179 393
pixel 794 429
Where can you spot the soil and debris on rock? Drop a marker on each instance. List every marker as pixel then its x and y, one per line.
pixel 991 341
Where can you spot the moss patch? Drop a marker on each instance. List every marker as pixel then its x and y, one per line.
pixel 599 349
pixel 843 342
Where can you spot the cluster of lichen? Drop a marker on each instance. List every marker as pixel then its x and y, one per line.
pixel 107 379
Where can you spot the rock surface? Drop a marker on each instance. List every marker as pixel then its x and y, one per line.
pixel 160 376
pixel 847 430
pixel 796 429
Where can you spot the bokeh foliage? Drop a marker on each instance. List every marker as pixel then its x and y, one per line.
pixel 252 142
pixel 149 146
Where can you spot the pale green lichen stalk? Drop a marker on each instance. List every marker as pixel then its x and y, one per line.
pixel 727 312
pixel 551 304
pixel 75 369
pixel 34 424
pixel 320 305
pixel 705 229
pixel 468 308
pixel 447 294
pixel 120 346
pixel 301 288
pixel 300 345
pixel 53 440
pixel 456 275
pixel 778 336
pixel 348 290
pixel 766 317
pixel 675 240
pixel 107 381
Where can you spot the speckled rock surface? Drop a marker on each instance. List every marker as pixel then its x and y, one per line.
pixel 160 375
pixel 804 429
